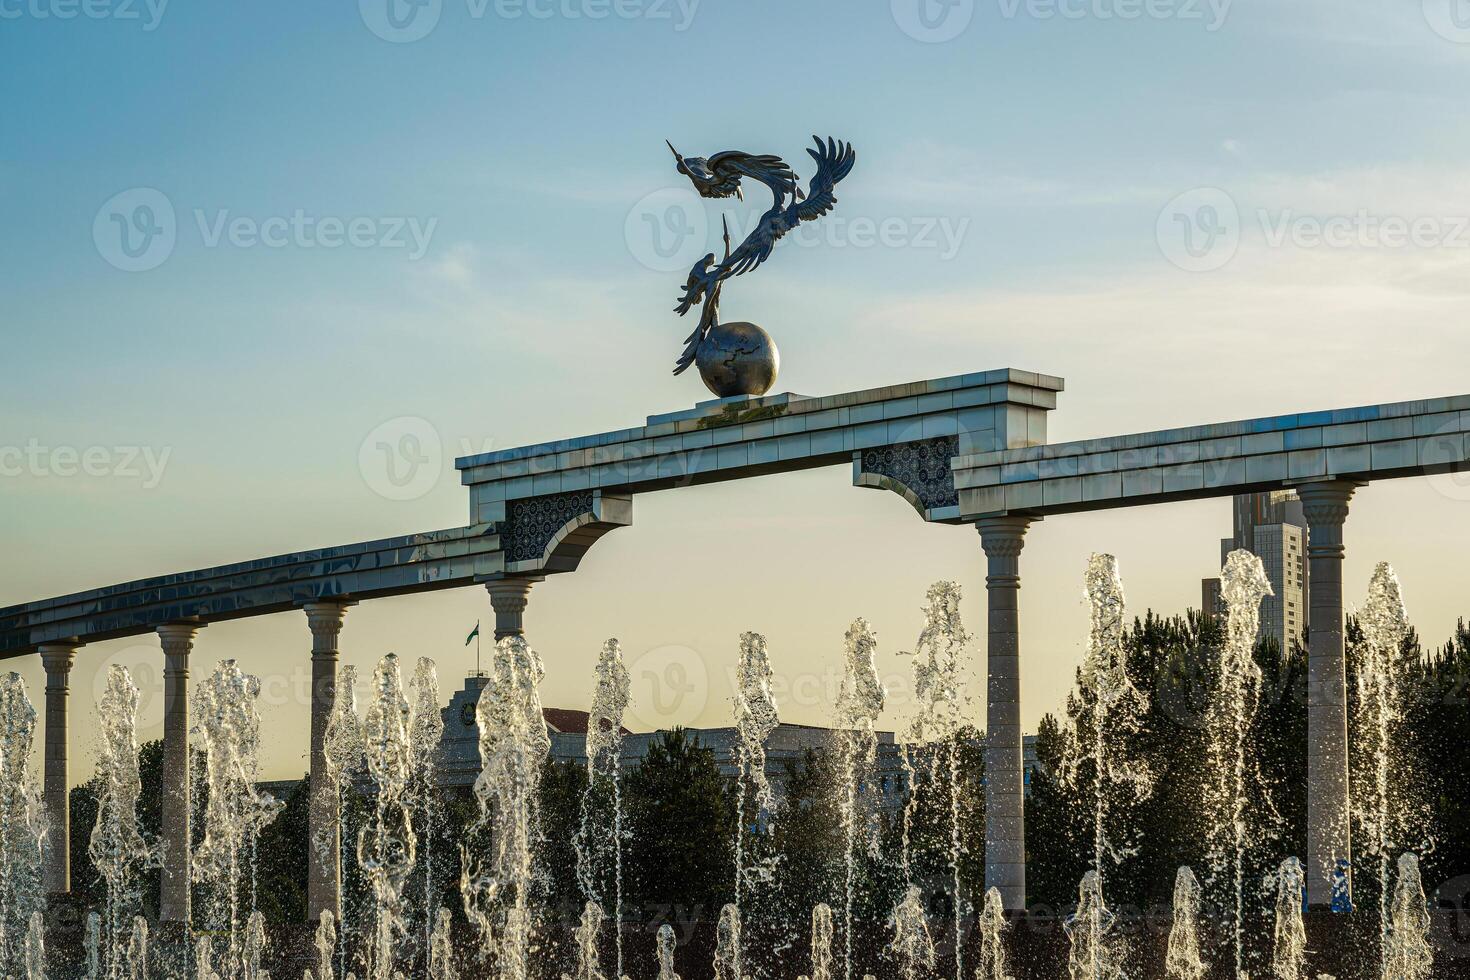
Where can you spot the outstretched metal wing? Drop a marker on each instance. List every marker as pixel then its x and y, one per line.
pixel 834 162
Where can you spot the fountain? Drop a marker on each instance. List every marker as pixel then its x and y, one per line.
pixel 1378 714
pixel 22 826
pixel 513 746
pixel 1233 772
pixel 1289 952
pixel 345 760
pixel 665 950
pixel 858 706
pixel 1183 961
pixel 992 927
pixel 1097 952
pixel 138 949
pixel 425 738
pixel 727 944
pixel 387 847
pixel 35 948
pixel 326 945
pixel 1407 954
pixel 228 728
pixel 117 847
pixel 912 945
pixel 755 719
pixel 937 657
pixel 585 936
pixel 1111 712
pixel 597 840
pixel 441 950
pixel 821 943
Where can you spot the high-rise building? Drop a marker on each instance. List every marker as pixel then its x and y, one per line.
pixel 1272 527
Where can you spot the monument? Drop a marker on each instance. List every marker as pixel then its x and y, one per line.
pixel 739 358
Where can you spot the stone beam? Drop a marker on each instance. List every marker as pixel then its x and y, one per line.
pixel 391 566
pixel 1360 445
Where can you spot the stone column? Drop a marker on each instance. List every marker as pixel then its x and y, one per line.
pixel 1005 783
pixel 508 597
pixel 57 658
pixel 178 641
pixel 324 855
pixel 1329 798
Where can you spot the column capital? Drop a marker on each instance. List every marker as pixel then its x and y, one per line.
pixel 509 597
pixel 325 616
pixel 177 640
pixel 1326 504
pixel 1003 537
pixel 58 658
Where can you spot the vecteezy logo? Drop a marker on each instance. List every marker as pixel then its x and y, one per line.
pixel 669 686
pixel 135 230
pixel 402 459
pixel 1199 231
pixel 668 230
pixel 933 21
pixel 1450 19
pixel 400 21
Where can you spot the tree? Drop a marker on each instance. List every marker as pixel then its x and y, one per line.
pixel 681 814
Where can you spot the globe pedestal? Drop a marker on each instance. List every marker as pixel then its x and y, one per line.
pixel 738 358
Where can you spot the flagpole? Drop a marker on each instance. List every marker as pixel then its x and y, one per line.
pixel 477 651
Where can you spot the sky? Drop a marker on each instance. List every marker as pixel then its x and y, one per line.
pixel 243 243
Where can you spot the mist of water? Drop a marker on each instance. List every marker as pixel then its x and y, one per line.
pixel 326 945
pixel 859 704
pixel 513 746
pixel 117 847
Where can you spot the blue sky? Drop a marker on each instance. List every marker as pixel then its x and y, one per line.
pixel 1028 170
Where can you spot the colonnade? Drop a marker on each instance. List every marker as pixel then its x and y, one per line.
pixel 1002 538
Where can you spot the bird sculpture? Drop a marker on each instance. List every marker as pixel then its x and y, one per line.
pixel 738 358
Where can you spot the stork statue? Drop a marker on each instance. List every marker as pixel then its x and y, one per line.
pixel 740 358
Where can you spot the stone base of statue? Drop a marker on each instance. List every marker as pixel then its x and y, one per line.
pixel 738 358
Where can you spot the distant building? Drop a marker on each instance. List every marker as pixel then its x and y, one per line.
pixel 460 759
pixel 1272 527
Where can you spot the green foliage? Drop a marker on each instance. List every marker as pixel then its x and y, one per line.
pixel 681 819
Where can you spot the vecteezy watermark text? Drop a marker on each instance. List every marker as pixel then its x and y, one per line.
pixel 1201 230
pixel 143 463
pixel 147 12
pixel 405 21
pixel 937 21
pixel 668 230
pixel 137 230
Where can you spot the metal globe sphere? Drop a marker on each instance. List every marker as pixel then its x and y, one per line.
pixel 738 358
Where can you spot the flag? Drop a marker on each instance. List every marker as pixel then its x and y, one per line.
pixel 473 633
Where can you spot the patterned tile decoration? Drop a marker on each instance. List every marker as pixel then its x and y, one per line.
pixel 530 523
pixel 923 467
